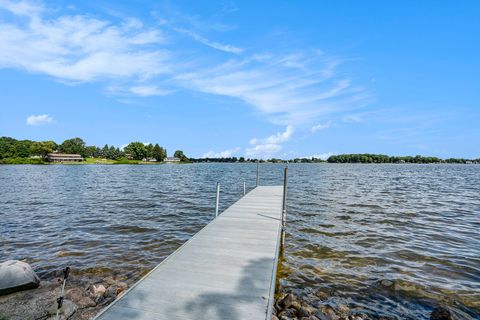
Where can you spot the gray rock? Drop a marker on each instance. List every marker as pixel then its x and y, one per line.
pixel 441 313
pixel 287 301
pixel 288 313
pixel 111 292
pixel 30 304
pixel 322 316
pixel 66 311
pixel 86 302
pixel 304 312
pixel 386 283
pixel 296 305
pixel 75 294
pixel 343 309
pixel 17 276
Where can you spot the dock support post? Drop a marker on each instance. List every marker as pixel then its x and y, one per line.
pixel 244 187
pixel 284 204
pixel 217 200
pixel 256 185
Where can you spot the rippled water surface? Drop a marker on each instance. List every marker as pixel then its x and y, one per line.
pixel 350 227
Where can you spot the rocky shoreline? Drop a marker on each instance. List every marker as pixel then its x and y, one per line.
pixel 84 299
pixel 25 296
pixel 288 306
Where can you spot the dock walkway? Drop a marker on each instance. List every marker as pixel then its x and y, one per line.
pixel 226 271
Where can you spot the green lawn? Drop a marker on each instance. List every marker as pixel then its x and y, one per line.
pixel 86 161
pixel 21 161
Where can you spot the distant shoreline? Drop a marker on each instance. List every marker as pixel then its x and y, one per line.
pixel 88 161
pixel 26 161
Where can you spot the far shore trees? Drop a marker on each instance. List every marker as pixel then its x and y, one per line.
pixel 159 153
pixel 75 146
pixel 180 155
pixel 41 149
pixel 139 151
pixel 136 150
pixel 36 151
pixel 381 158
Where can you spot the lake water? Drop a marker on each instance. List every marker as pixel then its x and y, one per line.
pixel 350 227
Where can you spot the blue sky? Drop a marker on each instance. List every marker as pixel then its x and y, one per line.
pixel 247 78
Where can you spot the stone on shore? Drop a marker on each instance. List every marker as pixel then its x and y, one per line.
pixel 286 302
pixel 68 308
pixel 17 276
pixel 74 294
pixel 98 290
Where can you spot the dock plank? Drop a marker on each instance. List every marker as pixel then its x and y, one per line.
pixel 226 271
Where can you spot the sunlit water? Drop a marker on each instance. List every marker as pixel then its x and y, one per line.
pixel 349 226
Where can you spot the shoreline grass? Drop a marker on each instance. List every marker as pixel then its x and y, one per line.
pixel 87 161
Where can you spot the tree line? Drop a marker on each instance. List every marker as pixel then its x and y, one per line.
pixel 381 158
pixel 11 148
pixel 226 159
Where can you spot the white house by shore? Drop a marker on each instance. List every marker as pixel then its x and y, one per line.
pixel 171 159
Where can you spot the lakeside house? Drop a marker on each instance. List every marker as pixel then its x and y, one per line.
pixel 64 157
pixel 171 159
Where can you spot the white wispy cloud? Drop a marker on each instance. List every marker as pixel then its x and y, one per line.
pixel 146 91
pixel 353 118
pixel 323 156
pixel 288 90
pixel 222 154
pixel 321 126
pixel 36 120
pixel 269 146
pixel 209 43
pixel 131 59
pixel 77 48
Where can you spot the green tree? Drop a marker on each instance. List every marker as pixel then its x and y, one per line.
pixel 137 150
pixel 92 151
pixel 75 145
pixel 105 151
pixel 149 149
pixel 159 153
pixel 112 154
pixel 179 154
pixel 42 148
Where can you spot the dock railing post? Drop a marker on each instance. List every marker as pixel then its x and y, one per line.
pixel 256 185
pixel 244 187
pixel 284 203
pixel 217 200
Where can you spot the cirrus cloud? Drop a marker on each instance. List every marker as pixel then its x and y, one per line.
pixel 287 88
pixel 321 126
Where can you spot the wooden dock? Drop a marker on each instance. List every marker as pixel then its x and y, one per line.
pixel 226 271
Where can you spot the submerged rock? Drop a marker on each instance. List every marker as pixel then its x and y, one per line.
pixel 322 316
pixel 17 276
pixel 441 313
pixel 286 302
